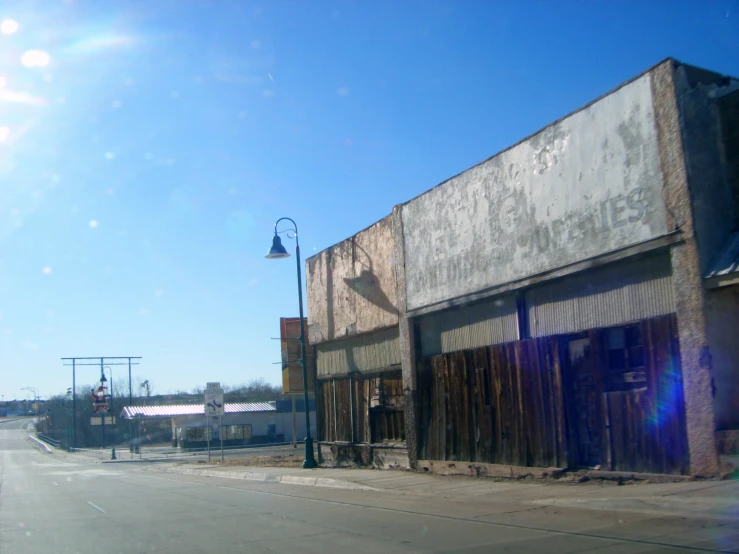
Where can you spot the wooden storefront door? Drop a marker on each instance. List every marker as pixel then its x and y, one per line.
pixel 623 398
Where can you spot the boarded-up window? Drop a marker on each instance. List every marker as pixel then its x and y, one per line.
pixel 362 409
pixel 625 356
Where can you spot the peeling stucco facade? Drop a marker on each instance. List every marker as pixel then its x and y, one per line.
pixel 352 285
pixel 588 184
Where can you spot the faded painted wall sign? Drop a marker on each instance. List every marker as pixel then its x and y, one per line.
pixel 584 186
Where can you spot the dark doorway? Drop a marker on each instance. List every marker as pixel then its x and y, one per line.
pixel 586 426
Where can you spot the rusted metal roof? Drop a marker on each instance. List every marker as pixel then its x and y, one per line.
pixel 726 263
pixel 194 409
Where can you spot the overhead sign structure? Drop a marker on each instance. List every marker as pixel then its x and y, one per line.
pixel 292 367
pixel 213 400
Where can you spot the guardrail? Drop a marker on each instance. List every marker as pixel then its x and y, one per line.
pixel 217 446
pixel 177 452
pixel 97 454
pixel 48 440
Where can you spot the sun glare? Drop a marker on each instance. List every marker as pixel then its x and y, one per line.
pixel 35 58
pixel 8 26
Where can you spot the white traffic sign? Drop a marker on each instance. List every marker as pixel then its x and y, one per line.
pixel 214 402
pixel 213 386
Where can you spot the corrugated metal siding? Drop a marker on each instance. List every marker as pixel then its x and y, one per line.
pixel 364 354
pixel 611 295
pixel 484 324
pixel 194 409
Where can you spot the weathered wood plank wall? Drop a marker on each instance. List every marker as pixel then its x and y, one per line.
pixel 361 409
pixel 501 404
pixel 516 404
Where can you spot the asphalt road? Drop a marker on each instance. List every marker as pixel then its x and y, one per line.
pixel 58 503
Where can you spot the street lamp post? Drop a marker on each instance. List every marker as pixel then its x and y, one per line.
pixel 112 410
pixel 277 251
pixel 103 380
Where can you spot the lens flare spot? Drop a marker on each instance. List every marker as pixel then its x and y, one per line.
pixel 94 223
pixel 35 58
pixel 109 156
pixel 46 270
pixel 8 26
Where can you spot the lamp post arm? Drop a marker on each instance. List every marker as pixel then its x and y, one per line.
pixel 291 221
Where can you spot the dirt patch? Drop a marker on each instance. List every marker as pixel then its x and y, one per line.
pixel 283 460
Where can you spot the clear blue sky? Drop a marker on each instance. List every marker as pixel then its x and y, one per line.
pixel 147 147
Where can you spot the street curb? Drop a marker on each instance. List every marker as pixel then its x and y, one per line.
pixel 48 450
pixel 270 478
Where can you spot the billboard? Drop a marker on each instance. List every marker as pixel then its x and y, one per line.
pixel 292 369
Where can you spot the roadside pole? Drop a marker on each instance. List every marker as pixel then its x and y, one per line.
pixel 207 434
pixel 295 424
pixel 220 434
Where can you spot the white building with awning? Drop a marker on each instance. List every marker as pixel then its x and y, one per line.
pixel 243 423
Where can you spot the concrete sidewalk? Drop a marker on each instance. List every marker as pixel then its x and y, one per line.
pixel 716 500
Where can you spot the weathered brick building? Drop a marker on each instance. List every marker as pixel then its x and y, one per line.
pixel 568 302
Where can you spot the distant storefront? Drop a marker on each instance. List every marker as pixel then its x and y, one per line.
pixel 242 424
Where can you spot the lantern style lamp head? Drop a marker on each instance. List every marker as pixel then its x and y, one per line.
pixel 277 251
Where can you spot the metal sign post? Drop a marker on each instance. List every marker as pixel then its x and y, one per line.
pixel 213 402
pixel 220 434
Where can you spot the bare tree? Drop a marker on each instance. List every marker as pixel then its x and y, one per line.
pixel 256 390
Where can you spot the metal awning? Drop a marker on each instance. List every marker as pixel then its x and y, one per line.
pixel 130 412
pixel 725 269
